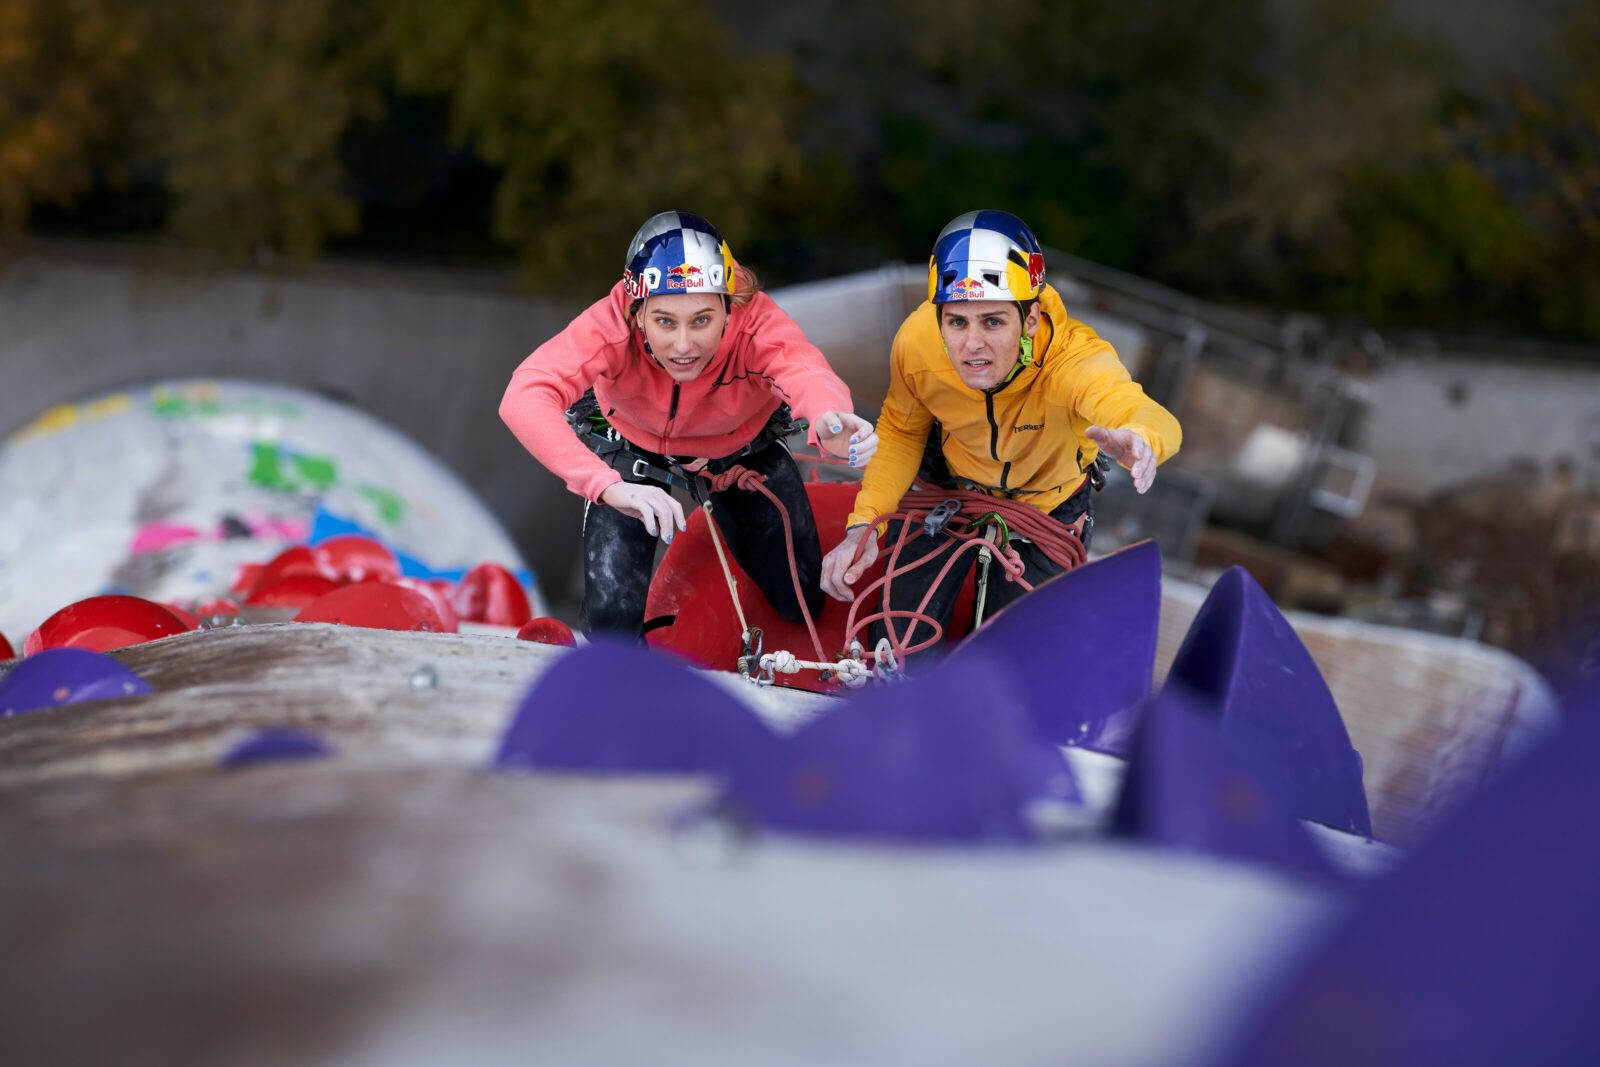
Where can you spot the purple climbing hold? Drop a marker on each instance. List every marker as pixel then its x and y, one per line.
pixel 1082 647
pixel 273 744
pixel 1186 788
pixel 948 756
pixel 1243 661
pixel 1479 950
pixel 55 676
pixel 616 707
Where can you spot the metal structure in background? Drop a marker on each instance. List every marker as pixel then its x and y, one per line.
pixel 1271 415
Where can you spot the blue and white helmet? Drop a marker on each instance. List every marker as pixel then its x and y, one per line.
pixel 985 255
pixel 677 252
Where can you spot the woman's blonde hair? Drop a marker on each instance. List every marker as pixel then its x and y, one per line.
pixel 745 285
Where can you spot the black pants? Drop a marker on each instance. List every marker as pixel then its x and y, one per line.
pixel 618 552
pixel 923 553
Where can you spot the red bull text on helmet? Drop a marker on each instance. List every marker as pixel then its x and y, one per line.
pixel 685 276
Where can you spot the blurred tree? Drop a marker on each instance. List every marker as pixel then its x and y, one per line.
pixel 63 64
pixel 1090 119
pixel 1351 97
pixel 247 103
pixel 599 113
pixel 1314 152
pixel 1542 151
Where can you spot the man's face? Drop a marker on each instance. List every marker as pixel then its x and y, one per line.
pixel 983 339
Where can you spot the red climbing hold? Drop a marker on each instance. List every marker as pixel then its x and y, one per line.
pixel 292 561
pixel 377 606
pixel 102 623
pixel 293 591
pixel 547 631
pixel 349 558
pixel 438 594
pixel 491 594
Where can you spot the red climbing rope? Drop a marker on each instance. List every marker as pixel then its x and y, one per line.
pixel 751 481
pixel 1059 542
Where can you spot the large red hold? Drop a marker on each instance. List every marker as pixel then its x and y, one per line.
pixel 377 606
pixel 103 623
pixel 350 558
pixel 292 562
pixel 293 591
pixel 489 593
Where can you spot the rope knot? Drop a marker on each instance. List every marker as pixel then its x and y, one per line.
pixel 781 662
pixel 743 477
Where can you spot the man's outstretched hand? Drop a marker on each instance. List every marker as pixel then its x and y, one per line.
pixel 1129 449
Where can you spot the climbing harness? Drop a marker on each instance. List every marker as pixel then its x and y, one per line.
pixel 637 464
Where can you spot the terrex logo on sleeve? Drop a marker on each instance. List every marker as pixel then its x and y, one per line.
pixel 967 289
pixel 685 276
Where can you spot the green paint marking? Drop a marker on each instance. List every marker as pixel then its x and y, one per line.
pixel 390 507
pixel 273 468
pixel 321 471
pixel 265 470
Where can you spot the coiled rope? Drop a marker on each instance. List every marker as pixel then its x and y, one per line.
pixel 974 514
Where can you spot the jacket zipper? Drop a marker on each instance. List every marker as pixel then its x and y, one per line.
pixel 994 441
pixel 672 416
pixel 994 428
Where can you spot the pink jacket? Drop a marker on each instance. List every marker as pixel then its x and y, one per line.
pixel 763 360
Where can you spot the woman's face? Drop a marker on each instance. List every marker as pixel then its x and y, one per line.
pixel 983 339
pixel 683 331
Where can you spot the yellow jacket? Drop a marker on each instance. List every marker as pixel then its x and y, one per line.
pixel 1024 438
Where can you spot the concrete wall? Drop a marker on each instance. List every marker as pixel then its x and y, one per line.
pixel 1437 421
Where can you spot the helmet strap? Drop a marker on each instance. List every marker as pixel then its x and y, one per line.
pixel 1024 358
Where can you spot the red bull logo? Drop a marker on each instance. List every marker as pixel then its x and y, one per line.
pixel 1035 270
pixel 967 289
pixel 685 276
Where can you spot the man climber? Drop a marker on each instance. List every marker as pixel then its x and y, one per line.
pixel 1020 400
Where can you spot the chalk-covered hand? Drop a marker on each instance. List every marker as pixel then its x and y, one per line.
pixel 841 569
pixel 849 436
pixel 654 507
pixel 1129 449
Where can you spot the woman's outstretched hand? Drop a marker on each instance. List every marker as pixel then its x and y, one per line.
pixel 848 436
pixel 656 508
